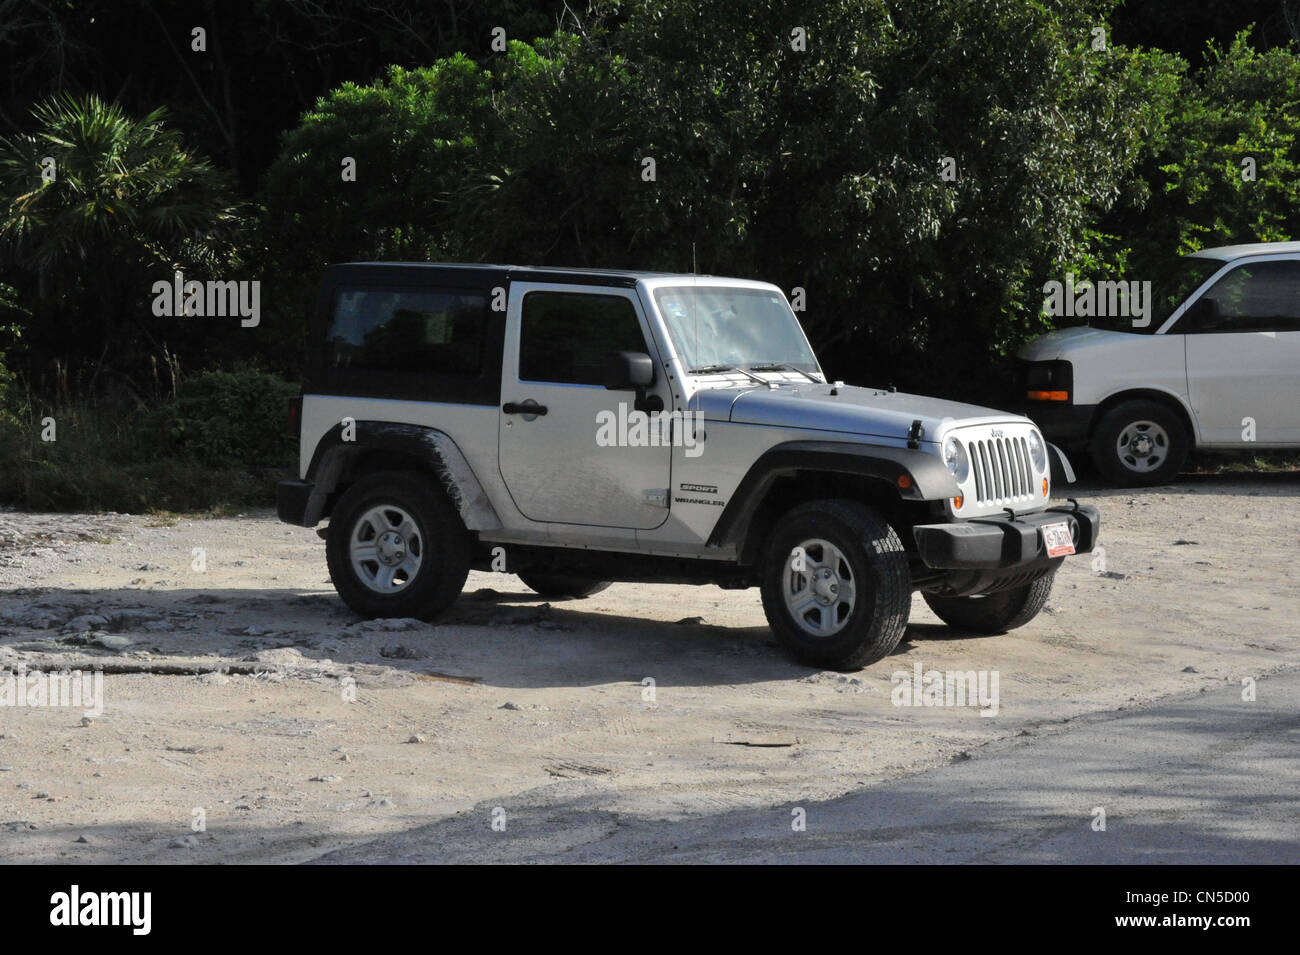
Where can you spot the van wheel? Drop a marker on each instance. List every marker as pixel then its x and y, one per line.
pixel 994 613
pixel 835 584
pixel 1139 444
pixel 396 547
pixel 562 586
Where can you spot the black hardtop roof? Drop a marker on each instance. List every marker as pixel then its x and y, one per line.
pixel 573 276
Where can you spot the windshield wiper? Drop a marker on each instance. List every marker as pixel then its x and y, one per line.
pixel 710 369
pixel 784 366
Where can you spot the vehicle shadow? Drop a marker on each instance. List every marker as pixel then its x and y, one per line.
pixel 938 632
pixel 489 636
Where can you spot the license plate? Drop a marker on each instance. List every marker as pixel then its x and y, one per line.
pixel 1058 540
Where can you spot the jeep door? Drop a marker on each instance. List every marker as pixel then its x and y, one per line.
pixel 1242 340
pixel 555 407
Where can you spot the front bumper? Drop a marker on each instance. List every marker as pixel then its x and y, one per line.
pixel 1062 423
pixel 1000 543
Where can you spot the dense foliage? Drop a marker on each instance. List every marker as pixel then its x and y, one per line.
pixel 918 167
pixel 94 206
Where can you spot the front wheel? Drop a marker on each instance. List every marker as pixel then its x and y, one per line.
pixel 996 612
pixel 1140 444
pixel 396 547
pixel 835 584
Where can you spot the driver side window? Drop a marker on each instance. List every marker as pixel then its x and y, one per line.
pixel 565 336
pixel 1260 297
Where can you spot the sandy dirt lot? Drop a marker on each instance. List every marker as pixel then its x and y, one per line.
pixel 230 673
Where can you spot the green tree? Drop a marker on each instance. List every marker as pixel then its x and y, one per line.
pixel 11 312
pixel 407 138
pixel 802 142
pixel 1243 105
pixel 95 206
pixel 819 164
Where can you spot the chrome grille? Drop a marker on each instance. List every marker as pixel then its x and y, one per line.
pixel 1003 470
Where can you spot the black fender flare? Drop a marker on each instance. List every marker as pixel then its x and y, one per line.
pixel 925 475
pixel 1060 464
pixel 341 446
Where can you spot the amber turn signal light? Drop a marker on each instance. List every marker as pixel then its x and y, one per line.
pixel 904 480
pixel 1044 487
pixel 957 502
pixel 1048 395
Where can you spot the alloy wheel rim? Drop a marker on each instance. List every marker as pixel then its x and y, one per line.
pixel 386 548
pixel 819 588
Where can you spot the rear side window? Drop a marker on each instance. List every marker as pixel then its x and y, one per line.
pixel 417 330
pixel 565 336
pixel 393 333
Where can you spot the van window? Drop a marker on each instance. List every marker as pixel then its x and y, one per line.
pixel 1258 297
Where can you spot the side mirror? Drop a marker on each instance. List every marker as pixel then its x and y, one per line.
pixel 632 371
pixel 628 370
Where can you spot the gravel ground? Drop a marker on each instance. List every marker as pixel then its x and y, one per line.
pixel 249 716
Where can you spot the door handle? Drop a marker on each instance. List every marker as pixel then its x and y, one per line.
pixel 525 408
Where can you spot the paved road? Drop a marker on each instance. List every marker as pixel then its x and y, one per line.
pixel 1201 779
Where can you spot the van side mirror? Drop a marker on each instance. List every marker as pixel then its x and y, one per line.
pixel 632 371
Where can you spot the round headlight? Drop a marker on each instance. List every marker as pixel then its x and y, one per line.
pixel 1037 451
pixel 955 457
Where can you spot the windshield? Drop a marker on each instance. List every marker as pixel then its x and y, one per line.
pixel 743 327
pixel 1183 277
pixel 1171 283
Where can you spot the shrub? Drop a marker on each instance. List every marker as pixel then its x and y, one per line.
pixel 220 445
pixel 229 417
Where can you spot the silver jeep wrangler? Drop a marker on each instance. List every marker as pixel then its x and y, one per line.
pixel 577 427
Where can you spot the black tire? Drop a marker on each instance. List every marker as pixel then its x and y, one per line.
pixel 444 546
pixel 876 566
pixel 562 586
pixel 994 613
pixel 1168 449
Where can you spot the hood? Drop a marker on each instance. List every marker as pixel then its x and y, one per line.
pixel 1063 341
pixel 886 414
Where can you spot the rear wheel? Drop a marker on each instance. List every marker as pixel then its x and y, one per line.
pixel 994 613
pixel 396 547
pixel 836 587
pixel 562 586
pixel 1139 444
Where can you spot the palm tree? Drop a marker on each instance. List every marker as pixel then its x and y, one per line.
pixel 125 184
pixel 124 203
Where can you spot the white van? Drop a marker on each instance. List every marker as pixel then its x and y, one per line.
pixel 1215 363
